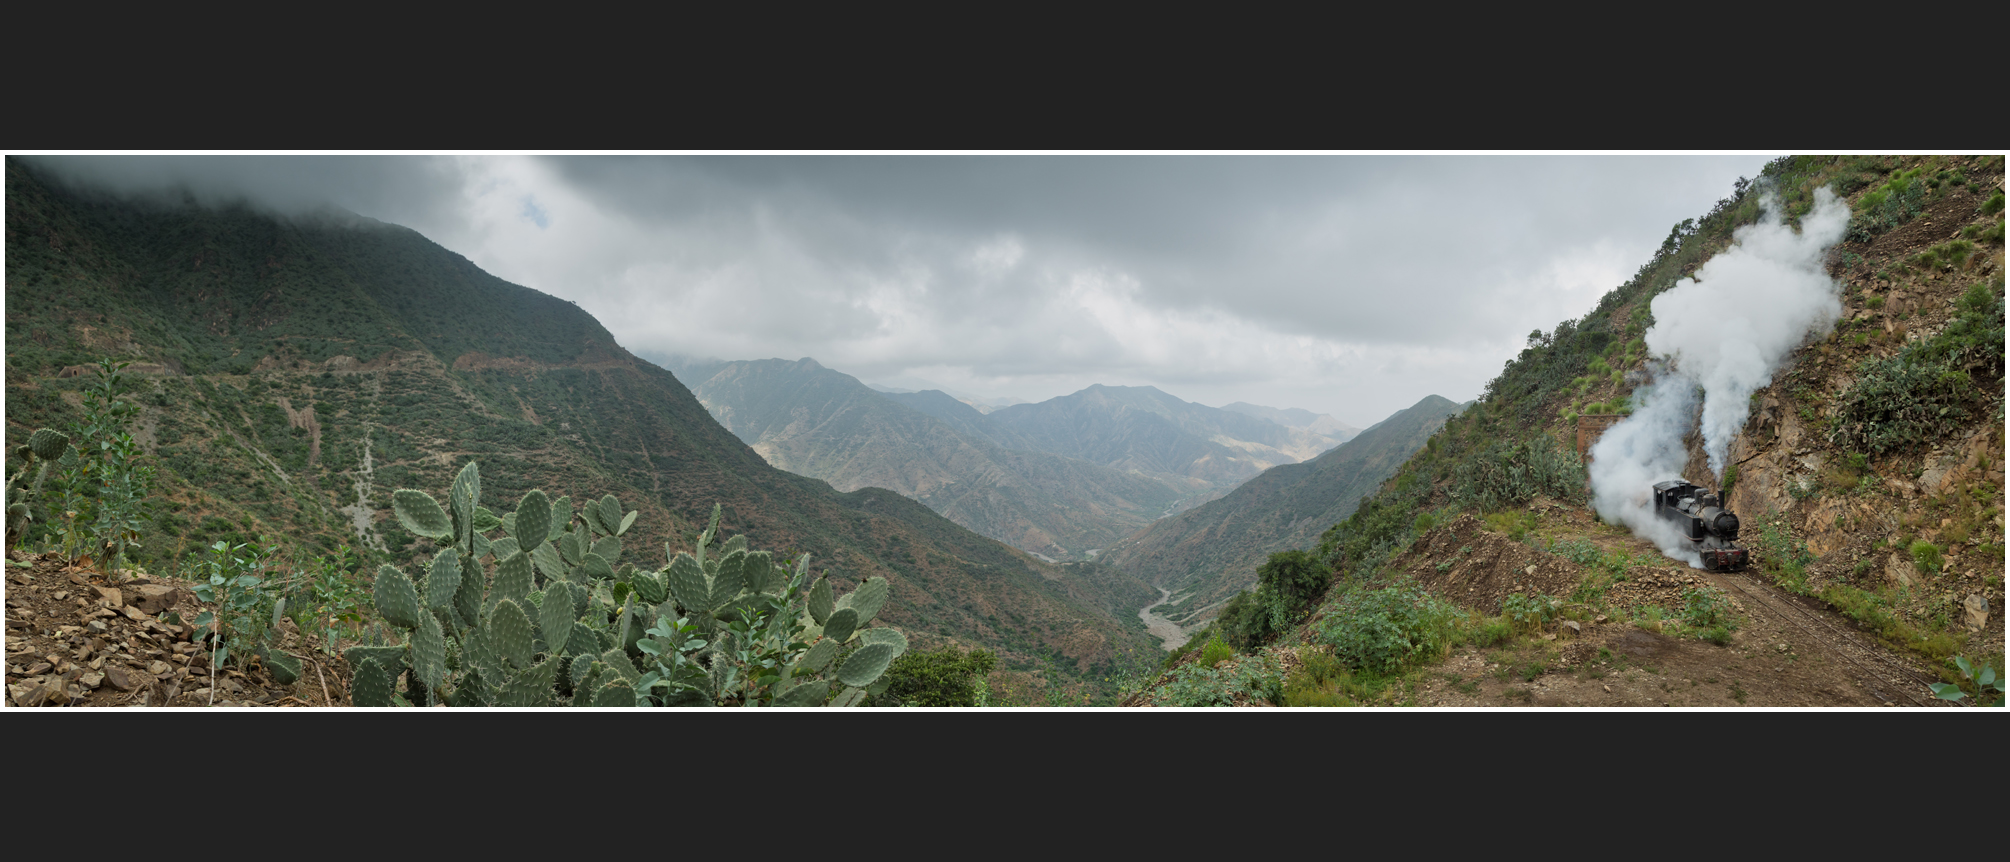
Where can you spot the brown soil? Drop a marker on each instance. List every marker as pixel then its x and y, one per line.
pixel 1786 651
pixel 1478 570
pixel 78 638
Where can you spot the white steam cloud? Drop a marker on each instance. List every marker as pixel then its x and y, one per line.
pixel 1721 335
pixel 1643 449
pixel 1732 325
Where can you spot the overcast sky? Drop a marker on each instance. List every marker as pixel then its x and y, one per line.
pixel 1343 284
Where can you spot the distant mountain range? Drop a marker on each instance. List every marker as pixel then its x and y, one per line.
pixel 1063 478
pixel 813 421
pixel 1210 553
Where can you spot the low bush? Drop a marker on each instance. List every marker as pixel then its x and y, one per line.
pixel 1385 630
pixel 1216 652
pixel 945 677
pixel 1205 685
pixel 1319 681
pixel 1900 402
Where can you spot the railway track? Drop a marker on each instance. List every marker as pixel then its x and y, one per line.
pixel 1904 680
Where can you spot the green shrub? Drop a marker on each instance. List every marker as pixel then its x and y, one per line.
pixel 1245 621
pixel 1900 402
pixel 945 677
pixel 1318 681
pixel 1705 607
pixel 1508 473
pixel 1514 524
pixel 1384 630
pixel 1529 614
pixel 1290 581
pixel 1216 651
pixel 1205 685
pixel 1993 205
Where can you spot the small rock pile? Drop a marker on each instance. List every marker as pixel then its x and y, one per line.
pixel 76 639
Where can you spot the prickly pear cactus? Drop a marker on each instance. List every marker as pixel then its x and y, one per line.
pixel 544 612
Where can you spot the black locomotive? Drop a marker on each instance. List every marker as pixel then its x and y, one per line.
pixel 1702 518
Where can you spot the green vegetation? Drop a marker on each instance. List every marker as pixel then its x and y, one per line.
pixel 1247 679
pixel 1930 388
pixel 1287 585
pixel 248 610
pixel 288 374
pixel 1385 630
pixel 1708 611
pixel 101 490
pixel 1926 557
pixel 1972 681
pixel 945 677
pixel 557 623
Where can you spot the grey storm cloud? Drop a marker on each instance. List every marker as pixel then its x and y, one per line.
pixel 1353 285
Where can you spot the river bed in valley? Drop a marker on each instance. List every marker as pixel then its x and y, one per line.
pixel 1167 631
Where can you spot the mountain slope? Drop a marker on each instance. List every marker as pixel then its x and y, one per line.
pixel 299 370
pixel 1209 553
pixel 813 421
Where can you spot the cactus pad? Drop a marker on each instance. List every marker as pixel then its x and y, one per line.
pixel 884 635
pixel 509 633
pixel 594 568
pixel 548 563
pixel 443 580
pixel 651 586
pixel 397 601
pixel 866 664
pixel 530 688
pixel 580 665
pixel 687 582
pixel 821 603
pixel 285 669
pixel 554 618
pixel 533 519
pixel 513 580
pixel 418 512
pixel 757 573
pixel 429 652
pixel 582 641
pixel 371 686
pixel 468 597
pixel 811 693
pixel 818 657
pixel 868 599
pixel 615 694
pixel 841 624
pixel 617 663
pixel 608 547
pixel 46 444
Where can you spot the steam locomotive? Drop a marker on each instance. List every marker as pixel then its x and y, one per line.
pixel 1702 518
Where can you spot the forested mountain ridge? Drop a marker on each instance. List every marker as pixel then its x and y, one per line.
pixel 298 370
